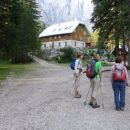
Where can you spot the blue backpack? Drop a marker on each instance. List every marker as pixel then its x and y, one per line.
pixel 72 64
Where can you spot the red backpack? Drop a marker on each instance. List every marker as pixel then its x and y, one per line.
pixel 119 74
pixel 90 70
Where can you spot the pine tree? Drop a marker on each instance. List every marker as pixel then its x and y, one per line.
pixel 110 16
pixel 19 28
pixel 27 32
pixel 129 34
pixel 7 25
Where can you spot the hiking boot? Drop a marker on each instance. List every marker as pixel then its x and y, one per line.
pixel 118 109
pixel 122 108
pixel 95 106
pixel 91 103
pixel 77 96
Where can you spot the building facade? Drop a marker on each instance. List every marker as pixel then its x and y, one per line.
pixel 61 35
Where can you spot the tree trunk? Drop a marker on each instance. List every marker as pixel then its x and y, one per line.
pixel 129 37
pixel 116 43
pixel 124 47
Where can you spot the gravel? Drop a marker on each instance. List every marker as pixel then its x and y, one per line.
pixel 42 99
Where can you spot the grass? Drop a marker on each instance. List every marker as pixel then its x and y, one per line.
pixel 12 70
pixel 105 64
pixel 84 63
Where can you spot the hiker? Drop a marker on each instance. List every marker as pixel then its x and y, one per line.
pixel 77 74
pixel 95 80
pixel 119 80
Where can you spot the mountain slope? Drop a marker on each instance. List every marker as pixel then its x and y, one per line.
pixel 55 11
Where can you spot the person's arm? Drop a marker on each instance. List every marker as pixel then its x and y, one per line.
pixel 111 75
pixel 126 76
pixel 100 71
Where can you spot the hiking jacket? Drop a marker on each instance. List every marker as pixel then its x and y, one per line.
pixel 118 66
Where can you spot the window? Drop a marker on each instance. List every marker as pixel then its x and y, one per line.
pixel 65 43
pixel 81 38
pixel 70 27
pixel 59 44
pixel 66 28
pixel 83 44
pixel 75 44
pixel 59 36
pixel 54 30
pixel 45 46
pixel 52 44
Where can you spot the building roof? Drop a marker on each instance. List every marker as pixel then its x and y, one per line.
pixel 61 28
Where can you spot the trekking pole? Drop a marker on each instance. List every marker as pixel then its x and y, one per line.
pixel 101 96
pixel 85 102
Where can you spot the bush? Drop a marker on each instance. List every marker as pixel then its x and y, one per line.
pixel 63 55
pixel 67 54
pixel 44 54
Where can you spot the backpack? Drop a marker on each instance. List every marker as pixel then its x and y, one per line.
pixel 72 64
pixel 119 74
pixel 90 70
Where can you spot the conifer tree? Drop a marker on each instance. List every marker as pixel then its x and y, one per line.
pixel 111 16
pixel 18 29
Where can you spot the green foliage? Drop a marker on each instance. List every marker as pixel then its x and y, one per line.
pixel 110 16
pixel 19 29
pixel 67 54
pixel 12 70
pixel 63 55
pixel 95 36
pixel 44 54
pixel 101 40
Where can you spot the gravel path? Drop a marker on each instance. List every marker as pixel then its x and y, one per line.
pixel 42 99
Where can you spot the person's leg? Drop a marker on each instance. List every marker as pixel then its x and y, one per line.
pixel 116 94
pixel 76 85
pixel 92 86
pixel 122 95
pixel 97 85
pixel 92 90
pixel 95 91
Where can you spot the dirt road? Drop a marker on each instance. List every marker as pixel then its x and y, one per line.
pixel 42 99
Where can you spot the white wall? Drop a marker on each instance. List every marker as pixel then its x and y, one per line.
pixel 62 44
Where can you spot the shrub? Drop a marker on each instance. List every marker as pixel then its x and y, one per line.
pixel 44 54
pixel 67 54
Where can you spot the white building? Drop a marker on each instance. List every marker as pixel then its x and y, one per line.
pixel 61 35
